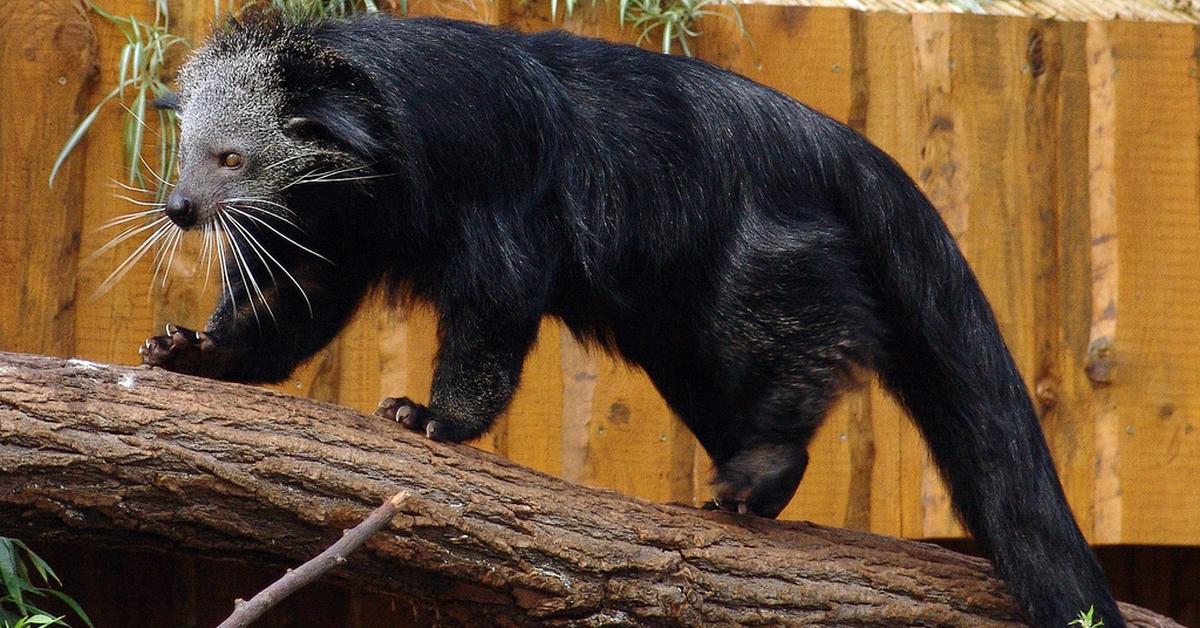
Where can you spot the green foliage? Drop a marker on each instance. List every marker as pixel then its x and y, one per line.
pixel 671 21
pixel 310 9
pixel 150 47
pixel 1087 620
pixel 18 588
pixel 674 19
pixel 140 80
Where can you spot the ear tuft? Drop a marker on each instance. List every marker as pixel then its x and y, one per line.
pixel 168 101
pixel 303 128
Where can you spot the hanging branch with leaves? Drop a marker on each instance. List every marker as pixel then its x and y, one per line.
pixel 141 77
pixel 17 610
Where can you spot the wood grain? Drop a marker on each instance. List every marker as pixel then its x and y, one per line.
pixel 1062 155
pixel 143 457
pixel 48 55
pixel 1157 337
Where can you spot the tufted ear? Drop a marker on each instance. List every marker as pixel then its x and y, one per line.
pixel 168 101
pixel 305 129
pixel 342 120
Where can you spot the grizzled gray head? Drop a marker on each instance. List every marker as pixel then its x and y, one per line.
pixel 246 137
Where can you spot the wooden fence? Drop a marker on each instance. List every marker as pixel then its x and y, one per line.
pixel 1064 156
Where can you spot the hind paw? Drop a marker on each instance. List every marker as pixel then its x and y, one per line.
pixel 760 480
pixel 412 415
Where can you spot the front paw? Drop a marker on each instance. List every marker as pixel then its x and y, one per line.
pixel 184 351
pixel 412 415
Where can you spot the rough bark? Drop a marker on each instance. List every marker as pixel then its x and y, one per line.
pixel 149 458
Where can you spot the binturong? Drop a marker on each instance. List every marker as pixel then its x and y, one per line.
pixel 744 250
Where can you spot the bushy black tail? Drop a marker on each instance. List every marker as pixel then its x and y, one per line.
pixel 947 362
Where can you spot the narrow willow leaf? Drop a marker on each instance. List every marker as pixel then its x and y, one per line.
pixel 42 567
pixel 79 132
pixel 138 135
pixel 73 605
pixel 10 575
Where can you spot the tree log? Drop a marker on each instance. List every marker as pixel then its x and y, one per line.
pixel 144 457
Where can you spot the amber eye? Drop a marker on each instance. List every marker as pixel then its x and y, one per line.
pixel 231 160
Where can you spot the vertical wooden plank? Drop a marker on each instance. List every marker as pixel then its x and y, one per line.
pixel 109 327
pixel 1157 341
pixel 1103 258
pixel 1062 290
pixel 579 378
pixel 534 427
pixel 48 52
pixel 817 73
pixel 892 121
pixel 635 444
pixel 360 381
pixel 925 506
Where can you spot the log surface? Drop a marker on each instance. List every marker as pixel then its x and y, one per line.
pixel 149 458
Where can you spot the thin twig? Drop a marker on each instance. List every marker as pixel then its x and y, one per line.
pixel 246 612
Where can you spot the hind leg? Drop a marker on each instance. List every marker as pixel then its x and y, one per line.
pixel 764 470
pixel 758 446
pixel 760 479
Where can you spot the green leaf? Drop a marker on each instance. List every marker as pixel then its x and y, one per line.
pixel 78 133
pixel 137 135
pixel 123 72
pixel 40 565
pixel 44 620
pixel 10 573
pixel 73 605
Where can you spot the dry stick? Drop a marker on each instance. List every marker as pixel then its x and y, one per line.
pixel 246 612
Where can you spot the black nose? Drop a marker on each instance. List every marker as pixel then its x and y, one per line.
pixel 179 210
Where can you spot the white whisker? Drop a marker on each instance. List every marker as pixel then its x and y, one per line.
pixel 250 237
pixel 206 253
pixel 344 179
pixel 130 261
pixel 299 179
pixel 292 158
pixel 228 289
pixel 154 174
pixel 137 202
pixel 138 118
pixel 171 259
pixel 277 232
pixel 160 254
pixel 253 245
pixel 125 235
pixel 269 214
pixel 131 188
pixel 252 199
pixel 245 272
pixel 124 218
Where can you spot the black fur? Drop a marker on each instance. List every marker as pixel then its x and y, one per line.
pixel 743 249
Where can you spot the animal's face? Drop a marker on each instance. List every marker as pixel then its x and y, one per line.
pixel 266 113
pixel 240 150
